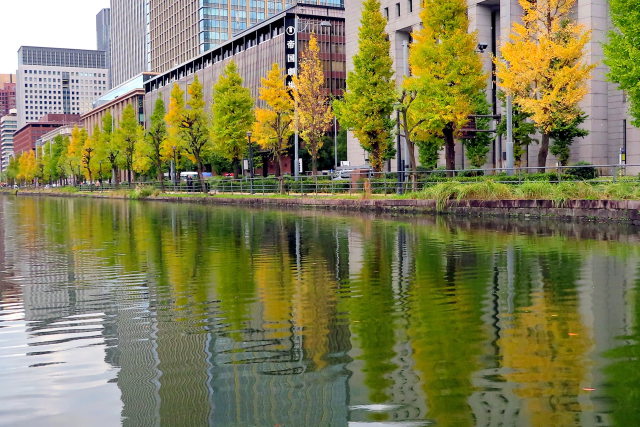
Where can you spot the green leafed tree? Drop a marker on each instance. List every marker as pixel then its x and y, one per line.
pixel 13 170
pixel 150 151
pixel 127 138
pixel 563 134
pixel 446 71
pixel 369 100
pixel 478 144
pixel 622 51
pixel 108 147
pixel 233 116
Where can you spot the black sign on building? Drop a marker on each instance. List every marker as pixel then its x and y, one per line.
pixel 291 47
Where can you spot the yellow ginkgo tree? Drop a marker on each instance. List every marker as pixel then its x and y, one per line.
pixel 87 157
pixel 447 77
pixel 314 111
pixel 542 66
pixel 74 153
pixel 27 167
pixel 273 125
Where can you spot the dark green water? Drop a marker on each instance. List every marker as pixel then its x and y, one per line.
pixel 145 314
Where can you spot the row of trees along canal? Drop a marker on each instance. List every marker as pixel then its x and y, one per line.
pixel 541 67
pixel 186 128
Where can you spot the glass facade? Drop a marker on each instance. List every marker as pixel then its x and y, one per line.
pixel 220 20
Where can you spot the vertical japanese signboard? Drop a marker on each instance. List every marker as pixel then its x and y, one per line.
pixel 291 47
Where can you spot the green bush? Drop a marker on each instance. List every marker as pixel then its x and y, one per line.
pixel 583 171
pixel 143 193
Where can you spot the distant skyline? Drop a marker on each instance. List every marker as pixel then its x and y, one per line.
pixel 61 23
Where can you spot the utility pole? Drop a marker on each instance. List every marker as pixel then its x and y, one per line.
pixel 296 139
pixel 510 156
pixel 399 153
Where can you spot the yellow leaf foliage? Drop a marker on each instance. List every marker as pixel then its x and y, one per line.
pixel 314 114
pixel 27 166
pixel 543 66
pixel 273 125
pixel 446 71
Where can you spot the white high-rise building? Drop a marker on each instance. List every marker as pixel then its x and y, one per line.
pixel 58 81
pixel 8 126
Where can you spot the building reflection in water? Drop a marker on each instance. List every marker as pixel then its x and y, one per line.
pixel 240 317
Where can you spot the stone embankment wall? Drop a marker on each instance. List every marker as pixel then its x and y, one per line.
pixel 590 210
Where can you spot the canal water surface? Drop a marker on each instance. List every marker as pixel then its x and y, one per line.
pixel 141 313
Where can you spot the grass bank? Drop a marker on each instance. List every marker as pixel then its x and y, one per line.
pixel 557 193
pixel 571 200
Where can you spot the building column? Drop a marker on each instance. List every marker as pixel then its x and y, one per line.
pixel 595 147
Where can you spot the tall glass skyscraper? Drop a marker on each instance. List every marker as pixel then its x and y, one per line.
pixel 157 35
pixel 219 20
pixel 130 49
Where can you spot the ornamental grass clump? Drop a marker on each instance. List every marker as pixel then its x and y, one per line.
pixel 143 193
pixel 486 190
pixel 621 191
pixel 536 190
pixel 441 193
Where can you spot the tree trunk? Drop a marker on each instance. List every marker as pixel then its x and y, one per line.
pixel 375 159
pixel 279 163
pixel 314 163
pixel 449 150
pixel 280 175
pixel 413 167
pixel 542 154
pixel 160 176
pixel 203 187
pixel 236 168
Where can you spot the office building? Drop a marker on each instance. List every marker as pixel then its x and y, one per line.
pixel 8 127
pixel 58 81
pixel 221 20
pixel 606 107
pixel 254 50
pixel 103 36
pixel 182 29
pixel 26 136
pixel 130 47
pixel 116 100
pixel 7 93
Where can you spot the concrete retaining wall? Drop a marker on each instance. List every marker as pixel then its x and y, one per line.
pixel 589 210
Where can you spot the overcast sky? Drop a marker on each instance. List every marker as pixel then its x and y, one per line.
pixel 50 23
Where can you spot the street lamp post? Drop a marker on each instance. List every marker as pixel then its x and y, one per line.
pixel 250 161
pixel 174 166
pixel 327 24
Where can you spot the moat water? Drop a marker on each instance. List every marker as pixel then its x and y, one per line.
pixel 142 313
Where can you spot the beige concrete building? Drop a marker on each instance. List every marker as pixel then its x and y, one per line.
pixel 116 100
pixel 606 107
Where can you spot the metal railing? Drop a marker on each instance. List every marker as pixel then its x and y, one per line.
pixel 361 180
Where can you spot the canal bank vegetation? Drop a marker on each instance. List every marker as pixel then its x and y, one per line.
pixel 442 192
pixel 558 193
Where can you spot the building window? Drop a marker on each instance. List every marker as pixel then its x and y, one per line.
pixel 386 13
pixel 410 5
pixel 397 9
